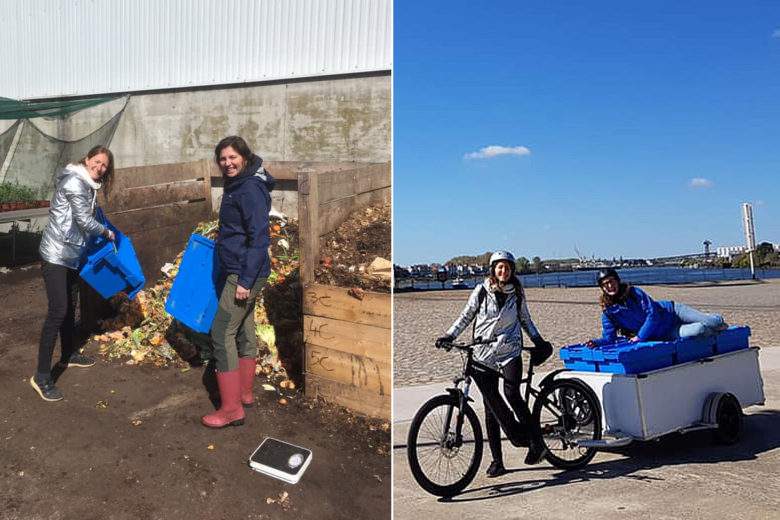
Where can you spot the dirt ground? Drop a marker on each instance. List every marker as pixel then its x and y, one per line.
pixel 83 457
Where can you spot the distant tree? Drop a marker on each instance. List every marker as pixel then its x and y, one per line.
pixel 537 264
pixel 763 250
pixel 523 265
pixel 482 259
pixel 742 262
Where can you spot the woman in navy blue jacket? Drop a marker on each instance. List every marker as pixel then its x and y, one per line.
pixel 631 312
pixel 242 251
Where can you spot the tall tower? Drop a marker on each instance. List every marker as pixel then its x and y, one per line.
pixel 707 245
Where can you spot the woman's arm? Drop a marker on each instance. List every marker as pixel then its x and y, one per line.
pixel 608 331
pixel 81 208
pixel 468 313
pixel 525 316
pixel 254 219
pixel 652 319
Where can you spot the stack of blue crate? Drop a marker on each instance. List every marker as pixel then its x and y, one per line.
pixel 624 357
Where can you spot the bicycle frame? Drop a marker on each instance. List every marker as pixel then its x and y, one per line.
pixel 498 405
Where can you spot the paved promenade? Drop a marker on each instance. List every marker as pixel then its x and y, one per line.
pixel 678 477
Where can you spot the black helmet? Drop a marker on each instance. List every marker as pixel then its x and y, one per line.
pixel 607 273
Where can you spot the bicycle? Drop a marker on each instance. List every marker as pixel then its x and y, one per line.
pixel 445 442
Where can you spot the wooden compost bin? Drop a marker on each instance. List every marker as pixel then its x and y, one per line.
pixel 347 353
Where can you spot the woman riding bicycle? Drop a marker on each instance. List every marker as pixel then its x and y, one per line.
pixel 500 310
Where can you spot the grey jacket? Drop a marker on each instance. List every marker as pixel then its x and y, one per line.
pixel 502 328
pixel 71 217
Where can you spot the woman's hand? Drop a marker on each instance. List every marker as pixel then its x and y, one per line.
pixel 109 235
pixel 634 339
pixel 241 293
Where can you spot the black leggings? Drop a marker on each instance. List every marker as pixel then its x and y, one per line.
pixel 60 318
pixel 487 382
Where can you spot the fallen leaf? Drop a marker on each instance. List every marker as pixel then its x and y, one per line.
pixel 357 292
pixel 210 447
pixel 101 404
pixel 269 388
pixel 282 401
pixel 136 422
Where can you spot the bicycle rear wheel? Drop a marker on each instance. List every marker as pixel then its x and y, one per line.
pixel 568 413
pixel 443 460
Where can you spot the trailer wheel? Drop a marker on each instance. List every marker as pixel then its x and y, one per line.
pixel 724 410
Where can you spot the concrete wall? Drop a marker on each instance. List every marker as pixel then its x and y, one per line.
pixel 344 119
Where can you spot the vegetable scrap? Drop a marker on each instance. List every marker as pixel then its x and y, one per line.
pixel 357 253
pixel 142 332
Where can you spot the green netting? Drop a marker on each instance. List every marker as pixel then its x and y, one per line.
pixel 6 140
pixel 37 156
pixel 15 109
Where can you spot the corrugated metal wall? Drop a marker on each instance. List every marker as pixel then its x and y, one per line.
pixel 52 48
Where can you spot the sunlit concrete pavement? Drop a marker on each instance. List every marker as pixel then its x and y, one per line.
pixel 679 476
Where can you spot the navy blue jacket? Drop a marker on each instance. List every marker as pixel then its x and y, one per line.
pixel 648 319
pixel 242 243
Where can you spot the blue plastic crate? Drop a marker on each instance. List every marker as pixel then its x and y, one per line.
pixel 193 298
pixel 619 358
pixel 112 267
pixel 731 339
pixel 690 349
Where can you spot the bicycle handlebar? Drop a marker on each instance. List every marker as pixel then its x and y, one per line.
pixel 469 346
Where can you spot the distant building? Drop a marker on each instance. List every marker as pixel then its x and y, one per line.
pixel 730 251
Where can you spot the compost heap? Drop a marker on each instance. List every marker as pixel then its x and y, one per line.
pixel 357 253
pixel 142 332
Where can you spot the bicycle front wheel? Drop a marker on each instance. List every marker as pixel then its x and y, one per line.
pixel 568 413
pixel 443 457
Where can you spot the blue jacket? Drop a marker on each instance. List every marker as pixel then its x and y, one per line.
pixel 242 243
pixel 648 319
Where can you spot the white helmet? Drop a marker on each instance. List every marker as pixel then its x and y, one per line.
pixel 502 255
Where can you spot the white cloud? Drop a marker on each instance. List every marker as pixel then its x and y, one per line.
pixel 495 150
pixel 776 33
pixel 700 182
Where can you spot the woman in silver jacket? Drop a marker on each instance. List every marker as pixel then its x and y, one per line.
pixel 498 305
pixel 71 224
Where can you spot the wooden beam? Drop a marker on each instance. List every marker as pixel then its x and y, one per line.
pixel 336 212
pixel 135 221
pixel 340 184
pixel 136 176
pixel 354 398
pixel 308 225
pixel 334 302
pixel 349 337
pixel 160 194
pixel 358 371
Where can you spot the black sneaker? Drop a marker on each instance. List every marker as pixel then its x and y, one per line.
pixel 78 360
pixel 536 453
pixel 496 469
pixel 46 389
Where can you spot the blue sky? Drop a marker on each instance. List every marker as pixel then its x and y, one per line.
pixel 622 128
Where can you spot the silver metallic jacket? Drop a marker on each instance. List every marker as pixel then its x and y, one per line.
pixel 501 327
pixel 71 217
